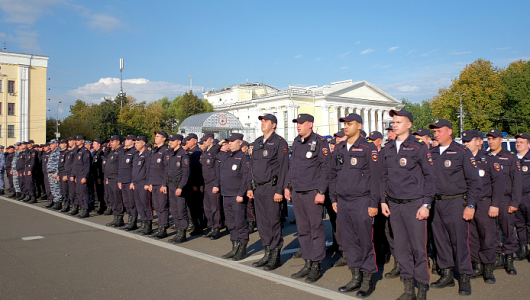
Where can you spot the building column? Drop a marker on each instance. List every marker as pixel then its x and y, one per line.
pixel 23 100
pixel 325 130
pixel 279 117
pixel 292 113
pixel 372 120
pixel 364 115
pixel 380 121
pixel 340 125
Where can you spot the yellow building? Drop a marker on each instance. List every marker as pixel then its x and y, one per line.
pixel 22 98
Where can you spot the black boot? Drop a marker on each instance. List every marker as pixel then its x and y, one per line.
pixel 314 273
pixel 83 213
pixel 160 233
pixel 523 253
pixel 251 227
pixel 114 221
pixel 464 285
pixel 141 228
pixel 304 271
pixel 508 264
pixel 241 252
pixel 395 272
pixel 131 225
pixel 147 229
pixel 478 270
pixel 32 200
pixel 488 273
pixel 26 198
pixel 498 263
pixel 191 226
pixel 102 208
pixel 341 262
pixel 410 292
pixel 197 229
pixel 275 260
pixel 367 286
pixel 13 195
pixel 209 234
pixel 422 291
pixel 74 210
pixel 434 267
pixel 355 283
pixel 48 204
pixel 265 259
pixel 57 205
pixel 235 245
pixel 66 208
pixel 216 233
pixel 43 197
pixel 108 211
pixel 298 254
pixel 447 279
pixel 21 197
pixel 180 237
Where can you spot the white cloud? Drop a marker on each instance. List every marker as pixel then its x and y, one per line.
pixel 344 68
pixel 26 11
pixel 392 49
pixel 459 52
pixel 408 88
pixel 343 55
pixel 298 56
pixel 381 66
pixel 502 48
pixel 357 43
pixel 429 53
pixel 411 51
pixel 104 22
pixel 26 40
pixel 367 51
pixel 318 58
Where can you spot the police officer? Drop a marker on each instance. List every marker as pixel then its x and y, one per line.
pixel 112 192
pixel 68 166
pixel 339 136
pixel 425 135
pixel 522 215
pixel 52 169
pixel 139 179
pixel 251 208
pixel 458 189
pixel 409 184
pixel 80 175
pixel 233 178
pixel 482 229
pixel 97 176
pixel 156 179
pixel 356 163
pixel 44 157
pixel 31 171
pixel 177 165
pixel 124 181
pixel 62 173
pixel 308 177
pixel 10 153
pixel 192 191
pixel 269 165
pixel 14 170
pixel 2 169
pixel 377 138
pixel 510 166
pixel 211 201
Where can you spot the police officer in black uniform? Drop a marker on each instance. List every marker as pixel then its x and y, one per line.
pixel 63 175
pixel 31 171
pixel 96 171
pixel 68 166
pixel 458 189
pixel 80 175
pixel 142 199
pixel 192 191
pixel 269 165
pixel 112 192
pixel 124 181
pixel 522 215
pixel 308 177
pixel 409 186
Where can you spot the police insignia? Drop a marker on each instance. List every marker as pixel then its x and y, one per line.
pixel 186 161
pixel 497 166
pixel 518 165
pixel 353 161
pixel 127 160
pixel 447 163
pixel 429 158
pixel 325 151
pixel 234 167
pixel 285 149
pixel 79 157
pixel 374 155
pixel 473 162
pixel 178 164
pixel 525 168
pixel 208 161
pixel 248 164
pixel 139 163
pixel 481 173
pixel 403 162
pixel 308 154
pixel 265 153
pixel 158 160
pixel 104 162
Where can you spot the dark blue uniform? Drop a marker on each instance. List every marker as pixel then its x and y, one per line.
pixel 97 176
pixel 358 166
pixel 194 199
pixel 80 170
pixel 156 178
pixel 177 172
pixel 456 179
pixel 409 183
pixel 270 164
pixel 139 179
pixel 112 192
pixel 211 202
pixel 234 181
pixel 522 215
pixel 31 166
pixel 308 175
pixel 125 178
pixel 68 166
pixel 9 171
pixel 64 183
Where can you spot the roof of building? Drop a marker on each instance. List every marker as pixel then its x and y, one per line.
pixel 211 121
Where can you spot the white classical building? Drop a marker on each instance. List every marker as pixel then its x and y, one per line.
pixel 326 103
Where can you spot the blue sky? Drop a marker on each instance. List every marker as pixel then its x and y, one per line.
pixel 409 49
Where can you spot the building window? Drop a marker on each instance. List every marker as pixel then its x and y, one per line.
pixel 11 87
pixel 10 131
pixel 1 85
pixel 11 109
pixel 0 131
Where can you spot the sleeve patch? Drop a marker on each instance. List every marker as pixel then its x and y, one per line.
pixel 429 158
pixel 248 164
pixel 186 161
pixel 285 149
pixel 473 162
pixel 325 151
pixel 374 155
pixel 518 165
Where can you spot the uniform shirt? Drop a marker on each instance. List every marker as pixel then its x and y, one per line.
pixel 82 162
pixel 177 164
pixel 525 172
pixel 111 162
pixel 309 170
pixel 140 166
pixel 31 160
pixel 125 164
pixel 232 171
pixel 359 167
pixel 69 160
pixel 270 158
pixel 62 161
pixel 44 161
pixel 511 167
pixel 97 165
pixel 19 161
pixel 456 172
pixel 157 169
pixel 208 159
pixel 489 171
pixel 9 160
pixel 195 177
pixel 408 173
pixel 53 157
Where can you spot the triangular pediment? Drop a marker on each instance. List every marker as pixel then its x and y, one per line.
pixel 363 90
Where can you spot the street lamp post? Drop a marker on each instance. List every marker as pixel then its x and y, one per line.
pixel 57 121
pixel 461 115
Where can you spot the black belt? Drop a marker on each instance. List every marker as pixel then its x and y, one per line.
pixel 401 201
pixel 273 181
pixel 304 192
pixel 447 197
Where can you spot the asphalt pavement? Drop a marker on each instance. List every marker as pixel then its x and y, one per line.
pixel 45 254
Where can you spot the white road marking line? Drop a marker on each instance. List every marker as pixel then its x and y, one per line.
pixel 300 285
pixel 29 238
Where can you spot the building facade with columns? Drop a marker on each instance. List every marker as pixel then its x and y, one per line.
pixel 327 104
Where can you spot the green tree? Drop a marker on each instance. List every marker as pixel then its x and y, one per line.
pixel 516 82
pixel 51 126
pixel 421 111
pixel 189 105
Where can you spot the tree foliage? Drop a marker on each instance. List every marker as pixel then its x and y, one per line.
pixel 422 113
pixel 516 82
